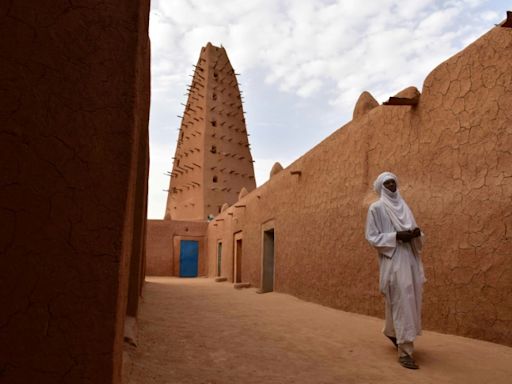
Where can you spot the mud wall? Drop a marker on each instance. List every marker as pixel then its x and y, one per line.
pixel 74 104
pixel 163 245
pixel 453 155
pixel 213 161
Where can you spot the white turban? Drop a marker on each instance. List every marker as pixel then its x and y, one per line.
pixel 379 182
pixel 397 209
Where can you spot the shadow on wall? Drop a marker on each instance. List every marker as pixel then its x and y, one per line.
pixel 74 187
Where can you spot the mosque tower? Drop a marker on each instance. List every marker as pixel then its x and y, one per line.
pixel 213 161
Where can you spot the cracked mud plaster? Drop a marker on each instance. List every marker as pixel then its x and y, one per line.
pixel 69 128
pixel 453 156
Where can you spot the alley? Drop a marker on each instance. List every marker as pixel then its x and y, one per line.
pixel 200 332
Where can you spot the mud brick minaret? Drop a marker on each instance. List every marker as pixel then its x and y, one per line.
pixel 213 161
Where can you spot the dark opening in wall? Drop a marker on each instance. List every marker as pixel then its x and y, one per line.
pixel 214 96
pixel 213 149
pixel 214 123
pixel 215 179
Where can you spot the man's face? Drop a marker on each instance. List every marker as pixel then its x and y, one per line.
pixel 390 185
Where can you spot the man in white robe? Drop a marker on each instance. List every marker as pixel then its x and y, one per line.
pixel 392 230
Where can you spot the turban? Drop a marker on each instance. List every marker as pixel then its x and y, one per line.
pixel 396 207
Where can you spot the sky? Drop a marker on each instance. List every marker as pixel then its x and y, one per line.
pixel 302 64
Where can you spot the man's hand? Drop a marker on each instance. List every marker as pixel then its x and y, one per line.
pixel 404 236
pixel 407 236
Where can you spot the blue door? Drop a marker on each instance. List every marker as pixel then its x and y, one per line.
pixel 189 250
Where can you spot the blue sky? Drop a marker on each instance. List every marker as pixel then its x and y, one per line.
pixel 303 64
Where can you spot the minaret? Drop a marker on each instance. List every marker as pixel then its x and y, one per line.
pixel 213 161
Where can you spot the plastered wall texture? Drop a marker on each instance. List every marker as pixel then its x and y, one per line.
pixel 452 153
pixel 74 106
pixel 163 250
pixel 212 161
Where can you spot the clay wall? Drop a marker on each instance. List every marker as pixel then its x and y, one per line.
pixel 230 166
pixel 186 186
pixel 453 155
pixel 140 170
pixel 163 245
pixel 213 161
pixel 74 161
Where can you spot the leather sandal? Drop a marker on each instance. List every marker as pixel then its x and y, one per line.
pixel 408 362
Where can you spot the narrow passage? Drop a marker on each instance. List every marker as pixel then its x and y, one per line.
pixel 201 332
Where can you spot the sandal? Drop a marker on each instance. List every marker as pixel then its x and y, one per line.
pixel 393 340
pixel 408 362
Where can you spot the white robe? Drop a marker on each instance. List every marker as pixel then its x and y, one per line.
pixel 401 275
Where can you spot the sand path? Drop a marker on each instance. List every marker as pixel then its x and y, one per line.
pixel 199 331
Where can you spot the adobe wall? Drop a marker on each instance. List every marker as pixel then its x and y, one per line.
pixel 163 246
pixel 140 175
pixel 74 110
pixel 453 156
pixel 227 154
pixel 212 162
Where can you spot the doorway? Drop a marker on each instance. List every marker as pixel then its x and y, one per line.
pixel 219 258
pixel 267 279
pixel 189 252
pixel 237 262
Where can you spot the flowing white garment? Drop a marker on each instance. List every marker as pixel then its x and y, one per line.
pixel 401 270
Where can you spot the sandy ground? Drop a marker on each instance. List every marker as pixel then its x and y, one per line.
pixel 199 331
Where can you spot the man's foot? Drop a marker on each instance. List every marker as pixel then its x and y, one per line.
pixel 408 362
pixel 393 340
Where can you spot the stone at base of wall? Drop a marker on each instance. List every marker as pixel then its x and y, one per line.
pixel 241 285
pixel 220 279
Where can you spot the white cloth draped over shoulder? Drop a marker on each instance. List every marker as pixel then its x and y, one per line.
pixel 401 269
